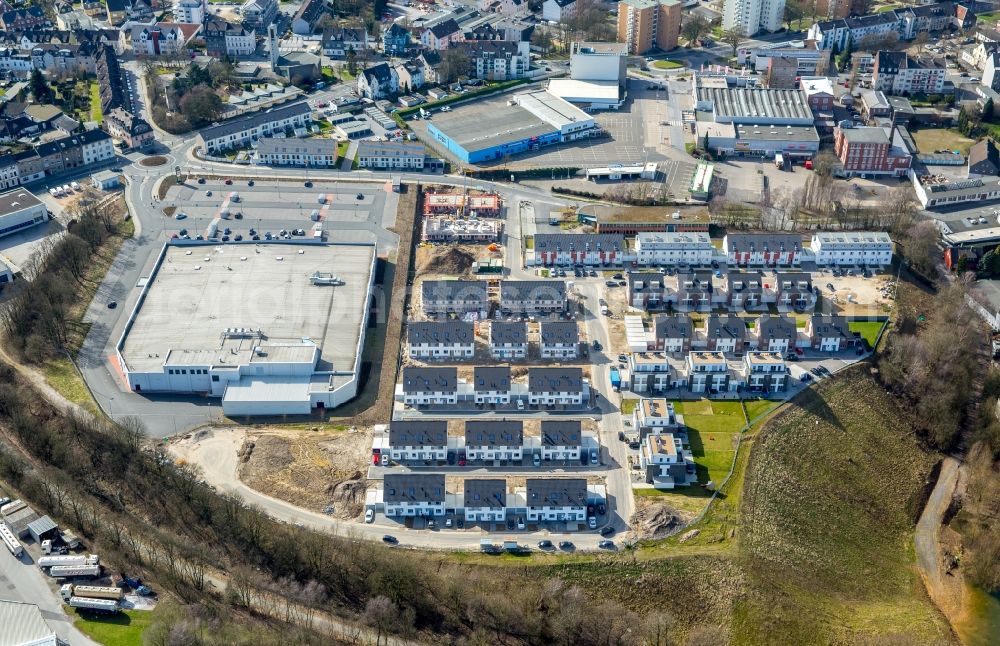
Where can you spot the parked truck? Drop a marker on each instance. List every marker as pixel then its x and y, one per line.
pixel 11 541
pixel 91 592
pixel 107 606
pixel 616 379
pixel 487 545
pixel 67 571
pixel 69 559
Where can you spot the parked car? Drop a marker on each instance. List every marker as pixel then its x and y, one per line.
pixel 370 515
pixel 592 522
pixel 565 545
pixel 606 545
pixel 607 531
pixel 112 305
pixel 389 538
pixel 545 544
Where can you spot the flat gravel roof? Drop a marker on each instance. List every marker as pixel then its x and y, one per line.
pixel 199 291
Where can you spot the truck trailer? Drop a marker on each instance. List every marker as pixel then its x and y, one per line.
pixel 11 541
pixel 68 559
pixel 67 571
pixel 11 507
pixel 91 592
pixel 94 605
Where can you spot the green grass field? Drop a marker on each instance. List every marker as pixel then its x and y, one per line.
pixel 123 629
pixel 832 490
pixel 95 103
pixel 930 139
pixel 628 406
pixel 667 64
pixel 869 330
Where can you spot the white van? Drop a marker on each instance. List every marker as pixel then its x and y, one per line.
pixel 75 185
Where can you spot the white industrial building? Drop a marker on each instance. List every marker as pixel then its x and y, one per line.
pixel 22 624
pixel 866 248
pixel 19 209
pixel 596 76
pixel 253 326
pixel 673 248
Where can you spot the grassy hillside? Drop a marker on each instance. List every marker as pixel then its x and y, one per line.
pixel 832 490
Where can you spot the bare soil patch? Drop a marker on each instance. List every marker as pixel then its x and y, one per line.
pixel 318 471
pixel 441 260
pixel 653 520
pixel 153 160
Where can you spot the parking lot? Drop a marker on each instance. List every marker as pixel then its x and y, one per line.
pixel 356 212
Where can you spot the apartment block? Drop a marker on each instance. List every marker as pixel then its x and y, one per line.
pixel 645 24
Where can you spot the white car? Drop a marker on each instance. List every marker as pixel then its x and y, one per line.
pixel 370 516
pixel 75 185
pixel 446 108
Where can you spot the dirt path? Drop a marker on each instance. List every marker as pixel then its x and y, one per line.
pixel 945 590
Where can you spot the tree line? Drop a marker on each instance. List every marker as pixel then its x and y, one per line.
pixel 36 322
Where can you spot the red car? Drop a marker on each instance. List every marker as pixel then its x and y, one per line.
pixel 375 459
pixel 229 182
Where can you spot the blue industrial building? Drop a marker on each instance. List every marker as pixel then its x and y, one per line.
pixel 493 129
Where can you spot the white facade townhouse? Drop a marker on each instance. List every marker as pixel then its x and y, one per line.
pixel 654 413
pixel 672 249
pixel 775 334
pixel 410 494
pixel 561 440
pixel 418 440
pixel 441 339
pixel 864 248
pixel 649 372
pixel 316 153
pixel 391 155
pixel 559 499
pixel 559 340
pixel 240 132
pixel 673 333
pixel 708 372
pixel 508 340
pixel 765 371
pixel 491 385
pixel 430 386
pixel 494 440
pixel 189 11
pixel 829 333
pixel 555 386
pixel 533 296
pixel 485 500
pixel 662 457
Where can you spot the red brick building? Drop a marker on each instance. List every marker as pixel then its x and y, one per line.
pixel 869 151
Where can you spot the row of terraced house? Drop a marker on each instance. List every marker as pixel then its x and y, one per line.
pixel 493 386
pixel 488 499
pixel 682 248
pixel 507 340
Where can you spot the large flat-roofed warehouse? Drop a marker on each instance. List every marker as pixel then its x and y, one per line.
pixel 19 209
pixel 272 329
pixel 491 129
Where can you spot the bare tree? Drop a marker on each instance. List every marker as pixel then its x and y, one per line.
pixel 734 38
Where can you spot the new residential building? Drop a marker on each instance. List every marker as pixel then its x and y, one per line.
pixel 864 248
pixel 318 153
pixel 485 499
pixel 576 248
pixel 418 440
pixel 494 440
pixel 561 439
pixel 243 131
pixel 673 248
pixel 454 296
pixel 491 384
pixel 560 499
pixel 508 340
pixel 765 371
pixel 424 386
pixel 768 249
pixel 555 386
pixel 391 154
pixel 441 339
pixel 559 340
pixel 533 296
pixel 869 151
pixel 410 494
